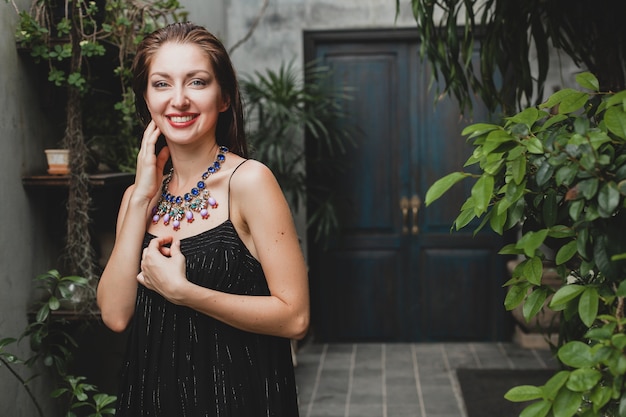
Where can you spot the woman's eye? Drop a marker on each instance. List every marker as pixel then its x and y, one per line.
pixel 159 84
pixel 198 83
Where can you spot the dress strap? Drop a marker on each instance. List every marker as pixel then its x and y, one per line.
pixel 229 179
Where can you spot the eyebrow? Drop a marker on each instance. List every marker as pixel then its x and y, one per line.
pixel 189 74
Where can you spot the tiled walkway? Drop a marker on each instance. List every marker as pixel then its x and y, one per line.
pixel 398 380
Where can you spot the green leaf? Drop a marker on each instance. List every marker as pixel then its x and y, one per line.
pixel 583 379
pixel 554 384
pixel 481 193
pixel 617 99
pixel 534 145
pixel 538 409
pixel 608 199
pixel 550 208
pixel 566 403
pixel 566 294
pixel 588 188
pixel 566 174
pixel 7 341
pixel 527 117
pixel 442 185
pixel 531 241
pixel 478 129
pixel 53 303
pixel 43 313
pixel 576 354
pixel 588 305
pixel 515 295
pixel 573 102
pixel 600 396
pixel 566 252
pixel 619 341
pixel 615 120
pixel 588 80
pixel 523 393
pixel 534 303
pixel 558 97
pixel 533 270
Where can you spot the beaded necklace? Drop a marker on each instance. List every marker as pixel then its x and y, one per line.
pixel 173 209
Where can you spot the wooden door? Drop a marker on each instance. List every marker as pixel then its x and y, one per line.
pixel 396 272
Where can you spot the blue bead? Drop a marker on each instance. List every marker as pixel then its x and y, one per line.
pixel 216 165
pixel 221 158
pixel 179 200
pixel 188 197
pixel 200 185
pixel 205 175
pixel 195 191
pixel 223 149
pixel 211 170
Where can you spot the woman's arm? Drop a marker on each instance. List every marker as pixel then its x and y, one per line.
pixel 264 221
pixel 117 288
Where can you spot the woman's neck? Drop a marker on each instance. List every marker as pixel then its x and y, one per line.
pixel 190 163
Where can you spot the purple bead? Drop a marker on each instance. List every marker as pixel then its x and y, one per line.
pixel 189 215
pixel 176 224
pixel 155 218
pixel 212 201
pixel 166 218
pixel 204 213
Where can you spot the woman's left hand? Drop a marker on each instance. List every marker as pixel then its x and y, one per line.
pixel 163 268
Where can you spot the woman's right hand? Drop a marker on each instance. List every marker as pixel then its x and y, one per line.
pixel 149 174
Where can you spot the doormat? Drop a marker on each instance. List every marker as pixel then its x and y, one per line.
pixel 483 389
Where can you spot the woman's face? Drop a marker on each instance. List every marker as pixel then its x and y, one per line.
pixel 183 95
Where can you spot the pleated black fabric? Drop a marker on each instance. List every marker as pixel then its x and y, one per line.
pixel 181 363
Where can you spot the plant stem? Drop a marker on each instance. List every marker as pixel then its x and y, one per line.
pixel 26 387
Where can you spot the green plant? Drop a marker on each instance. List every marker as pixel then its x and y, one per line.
pixel 52 346
pixel 282 108
pixel 508 34
pixel 86 48
pixel 559 171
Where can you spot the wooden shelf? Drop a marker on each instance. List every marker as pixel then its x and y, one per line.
pixel 112 179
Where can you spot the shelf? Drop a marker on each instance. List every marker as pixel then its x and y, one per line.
pixel 113 179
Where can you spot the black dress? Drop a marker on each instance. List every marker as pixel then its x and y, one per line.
pixel 181 363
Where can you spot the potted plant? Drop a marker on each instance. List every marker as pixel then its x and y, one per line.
pixel 85 49
pixel 283 107
pixel 558 171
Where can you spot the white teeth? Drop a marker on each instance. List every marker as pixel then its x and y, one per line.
pixel 181 119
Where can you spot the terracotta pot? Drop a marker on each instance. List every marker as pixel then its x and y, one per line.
pixel 58 161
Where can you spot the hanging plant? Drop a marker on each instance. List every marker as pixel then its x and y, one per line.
pixel 76 41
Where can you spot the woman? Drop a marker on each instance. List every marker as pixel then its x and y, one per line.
pixel 206 269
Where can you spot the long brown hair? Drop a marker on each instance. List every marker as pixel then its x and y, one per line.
pixel 230 128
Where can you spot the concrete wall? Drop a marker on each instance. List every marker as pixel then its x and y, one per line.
pixel 24 252
pixel 278 37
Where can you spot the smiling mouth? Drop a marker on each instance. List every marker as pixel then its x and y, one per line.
pixel 181 119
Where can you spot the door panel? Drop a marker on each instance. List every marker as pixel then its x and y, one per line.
pixel 394 274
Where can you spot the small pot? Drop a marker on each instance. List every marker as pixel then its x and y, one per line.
pixel 58 161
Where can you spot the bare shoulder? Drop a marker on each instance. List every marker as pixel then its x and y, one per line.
pixel 252 175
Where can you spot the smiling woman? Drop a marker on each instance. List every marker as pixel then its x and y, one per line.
pixel 211 304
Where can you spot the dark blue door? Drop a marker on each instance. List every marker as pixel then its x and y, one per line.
pixel 396 272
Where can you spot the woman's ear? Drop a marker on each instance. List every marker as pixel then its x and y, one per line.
pixel 225 104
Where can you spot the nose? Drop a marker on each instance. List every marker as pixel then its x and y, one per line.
pixel 179 98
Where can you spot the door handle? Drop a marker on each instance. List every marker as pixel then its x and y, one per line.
pixel 415 206
pixel 404 207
